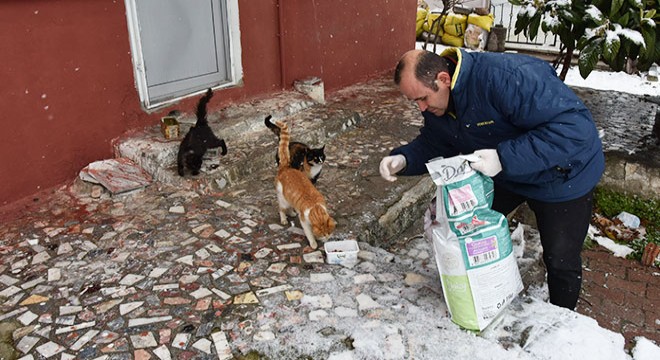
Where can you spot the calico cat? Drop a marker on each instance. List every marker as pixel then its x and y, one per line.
pixel 198 139
pixel 304 158
pixel 296 192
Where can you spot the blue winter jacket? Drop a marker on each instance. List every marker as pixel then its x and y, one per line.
pixel 545 137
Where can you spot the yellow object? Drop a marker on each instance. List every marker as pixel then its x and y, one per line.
pixel 482 21
pixel 452 40
pixel 437 29
pixel 421 20
pixel 455 24
pixel 169 126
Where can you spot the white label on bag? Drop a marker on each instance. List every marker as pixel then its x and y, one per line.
pixel 461 200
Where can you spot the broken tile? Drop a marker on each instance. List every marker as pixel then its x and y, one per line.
pixel 223 204
pixel 54 274
pixel 128 307
pixel 143 340
pixel 275 227
pixel 178 209
pixel 222 233
pixel 273 290
pixel 162 353
pixel 200 293
pixel 246 298
pixel 314 257
pixel 188 260
pixel 34 299
pixel 203 345
pixel 145 321
pixel 27 343
pixel 289 246
pixel 276 268
pixel 84 339
pixel 165 287
pixel 181 341
pixel 7 280
pixel 40 258
pixel 33 283
pixel 221 344
pixel 76 327
pixel 157 272
pixel 49 349
pixel 27 317
pixel 131 279
pixel 223 295
pixel 215 248
pixel 202 253
pixel 262 253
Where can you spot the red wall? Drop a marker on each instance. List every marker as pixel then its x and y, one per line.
pixel 345 41
pixel 67 77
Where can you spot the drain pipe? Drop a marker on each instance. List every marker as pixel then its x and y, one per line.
pixel 280 25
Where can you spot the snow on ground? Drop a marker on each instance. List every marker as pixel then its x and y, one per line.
pixel 545 331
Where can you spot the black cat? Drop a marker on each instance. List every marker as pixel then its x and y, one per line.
pixel 198 139
pixel 304 158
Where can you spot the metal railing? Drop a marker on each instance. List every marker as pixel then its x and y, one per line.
pixel 505 15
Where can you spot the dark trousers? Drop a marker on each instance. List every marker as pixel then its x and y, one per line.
pixel 563 227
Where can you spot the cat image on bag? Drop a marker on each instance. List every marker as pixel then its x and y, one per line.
pixel 304 158
pixel 296 193
pixel 198 139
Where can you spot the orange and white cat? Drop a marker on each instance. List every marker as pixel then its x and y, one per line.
pixel 296 192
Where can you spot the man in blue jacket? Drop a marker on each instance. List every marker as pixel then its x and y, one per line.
pixel 532 135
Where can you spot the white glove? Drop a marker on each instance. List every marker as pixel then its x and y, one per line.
pixel 488 162
pixel 391 165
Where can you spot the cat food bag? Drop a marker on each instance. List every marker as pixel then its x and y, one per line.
pixel 471 244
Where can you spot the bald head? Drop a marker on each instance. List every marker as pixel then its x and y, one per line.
pixel 425 65
pixel 407 62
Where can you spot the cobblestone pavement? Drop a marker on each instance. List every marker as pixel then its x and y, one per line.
pixel 168 273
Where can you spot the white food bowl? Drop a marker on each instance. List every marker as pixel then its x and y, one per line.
pixel 341 252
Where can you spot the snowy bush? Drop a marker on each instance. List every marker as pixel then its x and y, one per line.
pixel 623 33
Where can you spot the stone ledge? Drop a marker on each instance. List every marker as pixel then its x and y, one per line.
pixel 635 174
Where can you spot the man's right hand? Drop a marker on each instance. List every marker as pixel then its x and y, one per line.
pixel 390 165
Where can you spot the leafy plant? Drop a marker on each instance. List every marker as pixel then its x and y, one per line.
pixel 623 33
pixel 610 203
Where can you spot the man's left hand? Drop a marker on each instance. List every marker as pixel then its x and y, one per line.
pixel 488 163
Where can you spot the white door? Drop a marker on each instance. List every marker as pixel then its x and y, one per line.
pixel 183 47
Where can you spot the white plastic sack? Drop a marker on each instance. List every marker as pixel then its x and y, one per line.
pixel 472 245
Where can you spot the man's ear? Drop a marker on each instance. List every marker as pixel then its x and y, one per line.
pixel 444 78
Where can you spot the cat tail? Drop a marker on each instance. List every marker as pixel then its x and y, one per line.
pixel 201 107
pixel 271 126
pixel 283 147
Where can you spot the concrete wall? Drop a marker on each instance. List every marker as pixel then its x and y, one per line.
pixel 68 87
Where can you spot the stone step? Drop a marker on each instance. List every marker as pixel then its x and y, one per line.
pixel 236 124
pixel 358 126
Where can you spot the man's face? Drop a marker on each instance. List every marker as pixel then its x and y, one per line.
pixel 426 98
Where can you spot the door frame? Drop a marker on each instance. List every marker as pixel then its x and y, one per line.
pixel 235 63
